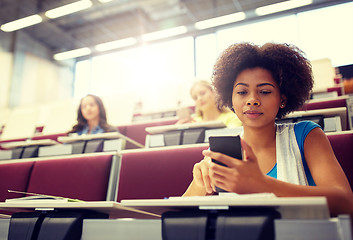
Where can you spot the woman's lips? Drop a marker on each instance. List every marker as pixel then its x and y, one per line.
pixel 252 113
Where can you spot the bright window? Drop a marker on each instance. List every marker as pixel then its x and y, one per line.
pixel 280 30
pixel 327 33
pixel 159 75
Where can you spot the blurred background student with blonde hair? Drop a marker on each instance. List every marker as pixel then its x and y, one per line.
pixel 206 107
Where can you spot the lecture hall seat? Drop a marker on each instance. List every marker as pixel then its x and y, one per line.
pixel 136 131
pixel 341 102
pixel 342 147
pixel 83 177
pixel 157 173
pixel 335 103
pixel 13 176
pixel 338 89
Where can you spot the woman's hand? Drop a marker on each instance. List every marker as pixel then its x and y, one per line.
pixel 201 174
pixel 241 176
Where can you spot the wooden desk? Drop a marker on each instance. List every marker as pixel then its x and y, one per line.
pixel 114 209
pixel 166 128
pixel 328 112
pixel 159 135
pixel 140 229
pixel 41 142
pixel 289 207
pixel 87 137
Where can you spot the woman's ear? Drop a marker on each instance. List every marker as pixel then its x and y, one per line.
pixel 283 101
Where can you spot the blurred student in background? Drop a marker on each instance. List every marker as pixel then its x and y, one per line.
pixel 91 117
pixel 206 107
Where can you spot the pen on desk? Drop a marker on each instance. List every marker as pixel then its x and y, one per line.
pixel 44 195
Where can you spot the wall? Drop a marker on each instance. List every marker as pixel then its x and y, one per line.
pixel 28 74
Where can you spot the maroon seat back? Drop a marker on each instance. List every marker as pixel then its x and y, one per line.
pixel 342 145
pixel 80 177
pixel 335 89
pixel 136 131
pixel 155 174
pixel 14 176
pixel 325 104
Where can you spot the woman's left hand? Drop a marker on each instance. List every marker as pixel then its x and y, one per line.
pixel 241 176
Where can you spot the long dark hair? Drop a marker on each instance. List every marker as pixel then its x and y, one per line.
pixel 81 121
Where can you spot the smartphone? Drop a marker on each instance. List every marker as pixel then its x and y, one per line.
pixel 228 145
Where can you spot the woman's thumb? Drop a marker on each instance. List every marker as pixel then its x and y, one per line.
pixel 248 154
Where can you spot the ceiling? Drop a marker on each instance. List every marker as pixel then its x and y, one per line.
pixel 119 19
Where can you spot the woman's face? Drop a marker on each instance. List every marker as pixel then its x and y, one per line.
pixel 203 96
pixel 256 97
pixel 89 108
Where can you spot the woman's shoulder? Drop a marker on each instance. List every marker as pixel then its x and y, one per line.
pixel 304 127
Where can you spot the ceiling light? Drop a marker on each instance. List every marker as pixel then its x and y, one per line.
pixel 218 21
pixel 282 6
pixel 164 33
pixel 72 54
pixel 105 1
pixel 21 23
pixel 115 44
pixel 68 9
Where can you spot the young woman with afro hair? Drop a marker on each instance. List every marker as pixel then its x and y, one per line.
pixel 262 84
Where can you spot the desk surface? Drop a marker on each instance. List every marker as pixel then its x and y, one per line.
pixel 75 138
pixel 108 135
pixel 41 142
pixel 173 127
pixel 290 207
pixel 327 112
pixel 114 209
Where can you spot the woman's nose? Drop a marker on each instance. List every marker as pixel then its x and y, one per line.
pixel 253 100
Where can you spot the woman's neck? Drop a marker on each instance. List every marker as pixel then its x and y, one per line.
pixel 92 124
pixel 260 137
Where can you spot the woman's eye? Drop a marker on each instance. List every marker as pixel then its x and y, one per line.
pixel 265 92
pixel 241 92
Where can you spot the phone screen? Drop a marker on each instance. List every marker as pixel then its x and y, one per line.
pixel 228 145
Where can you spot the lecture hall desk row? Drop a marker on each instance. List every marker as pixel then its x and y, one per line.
pixel 71 175
pixel 139 174
pixel 153 173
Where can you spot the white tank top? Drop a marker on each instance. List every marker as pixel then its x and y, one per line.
pixel 289 161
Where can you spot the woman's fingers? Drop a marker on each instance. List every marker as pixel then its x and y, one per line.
pixel 201 174
pixel 222 158
pixel 248 152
